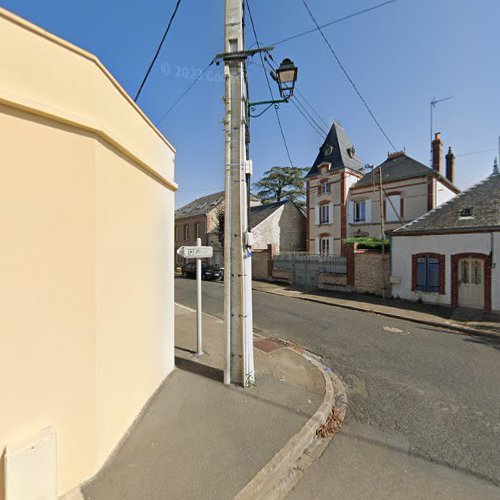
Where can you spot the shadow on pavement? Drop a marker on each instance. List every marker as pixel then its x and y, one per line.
pixel 199 369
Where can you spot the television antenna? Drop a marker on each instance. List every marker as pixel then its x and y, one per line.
pixel 435 101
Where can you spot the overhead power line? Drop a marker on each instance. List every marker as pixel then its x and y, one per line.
pixel 311 107
pixel 318 130
pixel 336 21
pixel 188 89
pixel 476 152
pixel 172 17
pixel 298 97
pixel 342 67
pixel 269 84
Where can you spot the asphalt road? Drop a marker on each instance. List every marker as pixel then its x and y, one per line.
pixel 424 405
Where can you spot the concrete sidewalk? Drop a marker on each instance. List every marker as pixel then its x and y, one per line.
pixel 438 316
pixel 198 438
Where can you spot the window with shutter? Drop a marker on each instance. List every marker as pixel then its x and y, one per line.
pixel 324 214
pixel 428 277
pixel 393 208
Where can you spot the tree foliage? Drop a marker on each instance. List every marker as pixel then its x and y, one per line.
pixel 219 224
pixel 282 183
pixel 364 242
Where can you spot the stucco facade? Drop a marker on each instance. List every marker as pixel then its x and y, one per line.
pixel 410 199
pixel 486 244
pixel 86 208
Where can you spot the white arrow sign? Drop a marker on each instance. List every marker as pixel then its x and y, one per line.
pixel 195 252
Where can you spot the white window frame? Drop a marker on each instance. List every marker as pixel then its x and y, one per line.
pixel 325 188
pixel 324 217
pixel 197 229
pixel 177 232
pixel 324 246
pixel 186 232
pixel 357 211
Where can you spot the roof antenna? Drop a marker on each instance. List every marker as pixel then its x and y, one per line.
pixel 435 101
pixel 495 166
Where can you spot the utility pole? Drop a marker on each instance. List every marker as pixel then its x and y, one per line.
pixel 382 224
pixel 239 368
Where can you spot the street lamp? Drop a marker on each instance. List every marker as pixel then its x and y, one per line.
pixel 286 76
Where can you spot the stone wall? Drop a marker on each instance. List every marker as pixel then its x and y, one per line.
pixel 367 272
pixel 260 264
pixel 335 282
pixel 371 272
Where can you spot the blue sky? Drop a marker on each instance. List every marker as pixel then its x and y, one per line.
pixel 400 56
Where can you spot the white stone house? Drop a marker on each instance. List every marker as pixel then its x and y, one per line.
pixel 451 255
pixel 281 224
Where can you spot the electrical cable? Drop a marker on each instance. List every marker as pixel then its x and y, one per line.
pixel 297 97
pixel 184 93
pixel 269 84
pixel 476 152
pixel 342 67
pixel 157 51
pixel 311 107
pixel 336 21
pixel 303 112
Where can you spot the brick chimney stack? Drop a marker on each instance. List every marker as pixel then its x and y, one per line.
pixel 450 166
pixel 437 153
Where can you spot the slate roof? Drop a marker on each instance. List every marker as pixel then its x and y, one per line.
pixel 262 212
pixel 338 151
pixel 484 200
pixel 393 169
pixel 200 206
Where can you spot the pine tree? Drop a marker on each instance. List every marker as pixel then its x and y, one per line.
pixel 282 183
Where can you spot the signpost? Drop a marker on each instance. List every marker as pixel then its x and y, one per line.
pixel 198 252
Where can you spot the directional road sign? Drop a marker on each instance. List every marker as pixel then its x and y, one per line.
pixel 195 252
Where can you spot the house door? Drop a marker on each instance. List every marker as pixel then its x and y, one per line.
pixel 471 283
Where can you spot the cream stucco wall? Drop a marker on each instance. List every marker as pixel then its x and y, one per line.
pixel 414 195
pixel 443 193
pixel 403 247
pixel 86 264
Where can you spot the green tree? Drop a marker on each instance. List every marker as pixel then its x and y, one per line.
pixel 282 183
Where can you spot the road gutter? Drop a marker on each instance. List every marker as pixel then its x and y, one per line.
pixel 282 473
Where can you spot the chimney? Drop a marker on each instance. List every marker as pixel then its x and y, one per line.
pixel 437 153
pixel 450 166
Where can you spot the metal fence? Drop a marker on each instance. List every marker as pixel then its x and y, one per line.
pixel 304 269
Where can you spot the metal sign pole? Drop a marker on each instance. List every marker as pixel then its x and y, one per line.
pixel 199 348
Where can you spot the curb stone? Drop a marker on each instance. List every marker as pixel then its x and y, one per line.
pixel 282 473
pixel 446 326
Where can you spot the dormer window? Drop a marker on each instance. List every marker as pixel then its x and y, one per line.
pixel 351 152
pixel 466 213
pixel 327 150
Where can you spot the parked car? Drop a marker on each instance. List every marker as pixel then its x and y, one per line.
pixel 207 272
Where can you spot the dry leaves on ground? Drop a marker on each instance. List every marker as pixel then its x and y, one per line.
pixel 332 424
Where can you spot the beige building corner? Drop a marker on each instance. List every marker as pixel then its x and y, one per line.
pixel 86 264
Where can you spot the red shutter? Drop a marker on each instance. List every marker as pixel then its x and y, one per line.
pixel 442 277
pixel 414 260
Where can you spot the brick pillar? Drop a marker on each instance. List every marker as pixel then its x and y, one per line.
pixel 349 253
pixel 437 153
pixel 430 192
pixel 308 216
pixel 343 213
